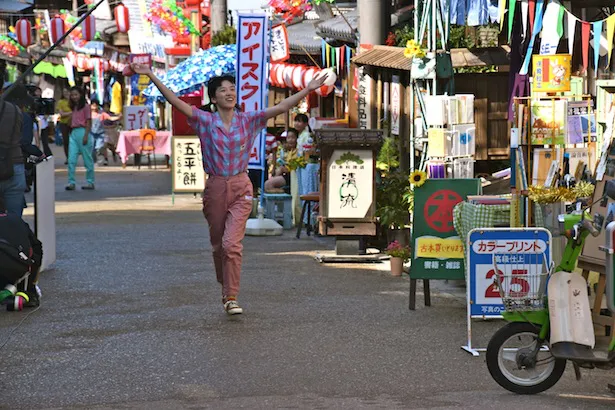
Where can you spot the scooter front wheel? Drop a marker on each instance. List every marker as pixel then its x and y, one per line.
pixel 514 363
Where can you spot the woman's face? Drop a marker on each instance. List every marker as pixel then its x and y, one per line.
pixel 291 140
pixel 75 96
pixel 95 107
pixel 300 126
pixel 226 95
pixel 65 94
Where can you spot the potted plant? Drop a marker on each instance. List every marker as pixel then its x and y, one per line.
pixel 393 207
pixel 399 254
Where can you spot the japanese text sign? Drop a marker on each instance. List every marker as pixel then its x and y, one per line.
pixel 350 185
pixel 188 175
pixel 252 40
pixel 279 50
pixel 136 117
pixel 437 250
pixel 515 256
pixel 551 73
pixel 144 59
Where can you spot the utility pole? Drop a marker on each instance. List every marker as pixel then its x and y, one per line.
pixel 218 15
pixel 374 20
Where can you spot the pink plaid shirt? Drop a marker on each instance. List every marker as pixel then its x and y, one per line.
pixel 226 153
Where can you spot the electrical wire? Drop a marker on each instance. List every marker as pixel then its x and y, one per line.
pixel 17 327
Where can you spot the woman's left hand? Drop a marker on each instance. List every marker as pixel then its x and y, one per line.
pixel 317 82
pixel 85 140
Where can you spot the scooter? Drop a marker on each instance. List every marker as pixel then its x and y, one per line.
pixel 529 354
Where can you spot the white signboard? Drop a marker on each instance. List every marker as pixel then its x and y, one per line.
pixel 350 183
pixel 188 174
pixel 365 97
pixel 395 104
pixel 136 117
pixel 45 211
pixel 252 74
pixel 279 50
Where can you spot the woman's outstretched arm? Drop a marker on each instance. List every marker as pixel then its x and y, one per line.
pixel 288 103
pixel 169 95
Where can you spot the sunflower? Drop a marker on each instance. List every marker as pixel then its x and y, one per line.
pixel 417 178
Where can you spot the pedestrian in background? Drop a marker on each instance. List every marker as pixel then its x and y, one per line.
pixel 12 169
pixel 80 141
pixel 63 109
pixel 227 136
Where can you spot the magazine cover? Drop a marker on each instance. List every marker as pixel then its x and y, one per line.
pixel 549 118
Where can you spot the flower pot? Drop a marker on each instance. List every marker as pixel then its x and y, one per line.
pixel 397 266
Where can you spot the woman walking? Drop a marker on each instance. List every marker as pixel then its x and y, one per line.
pixel 80 140
pixel 227 135
pixel 63 109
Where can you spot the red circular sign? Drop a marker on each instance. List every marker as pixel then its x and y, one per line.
pixel 438 210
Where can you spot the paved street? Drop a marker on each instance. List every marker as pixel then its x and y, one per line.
pixel 132 319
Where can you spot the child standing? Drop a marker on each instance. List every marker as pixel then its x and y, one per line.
pixel 80 141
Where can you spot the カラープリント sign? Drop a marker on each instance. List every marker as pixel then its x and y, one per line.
pixel 252 40
pixel 516 256
pixel 437 250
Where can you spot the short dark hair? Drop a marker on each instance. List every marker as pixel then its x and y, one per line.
pixel 302 118
pixel 81 102
pixel 215 83
pixel 293 130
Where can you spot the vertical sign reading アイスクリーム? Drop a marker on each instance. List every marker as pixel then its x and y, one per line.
pixel 437 249
pixel 350 183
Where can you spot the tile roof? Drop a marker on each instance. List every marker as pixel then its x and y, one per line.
pixel 337 28
pixel 302 37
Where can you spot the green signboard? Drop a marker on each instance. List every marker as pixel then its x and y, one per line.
pixel 437 249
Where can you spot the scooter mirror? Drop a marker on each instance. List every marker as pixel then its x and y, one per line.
pixel 610 189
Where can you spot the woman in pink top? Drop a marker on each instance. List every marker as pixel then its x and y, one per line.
pixel 227 136
pixel 80 142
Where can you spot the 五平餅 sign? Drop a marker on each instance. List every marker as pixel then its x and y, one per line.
pixel 252 44
pixel 437 249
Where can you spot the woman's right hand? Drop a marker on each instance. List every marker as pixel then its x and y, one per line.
pixel 141 68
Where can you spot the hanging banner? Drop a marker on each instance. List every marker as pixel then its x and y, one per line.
pixel 365 93
pixel 252 73
pixel 551 73
pixel 395 104
pixel 279 49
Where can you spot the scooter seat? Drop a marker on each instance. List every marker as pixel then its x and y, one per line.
pixel 577 352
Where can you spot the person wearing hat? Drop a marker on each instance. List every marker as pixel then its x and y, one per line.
pixel 12 168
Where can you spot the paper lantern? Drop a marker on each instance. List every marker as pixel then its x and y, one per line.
pixel 23 30
pixel 57 29
pixel 272 72
pixel 309 75
pixel 122 20
pixel 297 77
pixel 279 75
pixel 288 75
pixel 88 28
pixel 325 90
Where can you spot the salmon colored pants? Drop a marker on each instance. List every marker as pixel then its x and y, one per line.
pixel 227 204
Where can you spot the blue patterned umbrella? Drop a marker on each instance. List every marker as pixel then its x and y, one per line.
pixel 192 73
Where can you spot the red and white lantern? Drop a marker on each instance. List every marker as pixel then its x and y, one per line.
pixel 272 71
pixel 122 20
pixel 325 90
pixel 56 30
pixel 23 29
pixel 297 77
pixel 279 75
pixel 309 75
pixel 88 28
pixel 288 75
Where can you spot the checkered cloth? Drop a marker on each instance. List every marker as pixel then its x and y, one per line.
pixel 467 216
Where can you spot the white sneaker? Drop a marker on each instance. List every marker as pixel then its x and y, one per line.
pixel 231 307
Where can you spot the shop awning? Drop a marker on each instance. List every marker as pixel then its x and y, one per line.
pixel 393 57
pixel 56 71
pixel 385 57
pixel 14 6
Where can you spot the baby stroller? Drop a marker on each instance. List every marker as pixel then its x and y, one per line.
pixel 20 259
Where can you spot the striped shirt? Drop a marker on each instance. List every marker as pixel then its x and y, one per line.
pixel 226 153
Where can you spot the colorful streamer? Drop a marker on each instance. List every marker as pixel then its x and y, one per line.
pixel 597 34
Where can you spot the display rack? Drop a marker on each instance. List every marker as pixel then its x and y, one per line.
pixel 540 156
